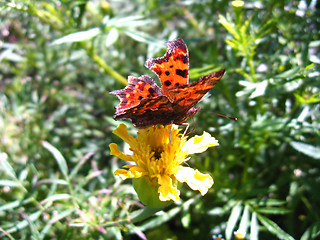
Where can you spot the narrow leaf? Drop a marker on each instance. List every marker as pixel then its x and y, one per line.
pixel 141 37
pixel 23 224
pixel 273 228
pixel 312 232
pixel 161 218
pixel 56 197
pixel 78 36
pixel 273 210
pixel 8 183
pixel 233 219
pixel 307 149
pixel 254 227
pixel 59 158
pixel 244 223
pixel 33 228
pixel 15 204
pixel 61 215
pixel 112 37
pixel 6 165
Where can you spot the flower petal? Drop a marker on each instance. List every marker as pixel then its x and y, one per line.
pixel 199 144
pixel 133 172
pixel 122 132
pixel 114 150
pixel 195 179
pixel 166 190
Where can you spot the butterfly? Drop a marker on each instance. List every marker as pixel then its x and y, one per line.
pixel 146 104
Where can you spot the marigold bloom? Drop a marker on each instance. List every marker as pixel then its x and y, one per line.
pixel 159 160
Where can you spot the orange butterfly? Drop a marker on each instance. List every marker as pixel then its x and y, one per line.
pixel 146 104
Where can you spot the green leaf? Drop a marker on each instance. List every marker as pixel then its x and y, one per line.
pixel 233 219
pixel 244 223
pixel 254 227
pixel 8 183
pixel 112 37
pixel 33 228
pixel 306 99
pixel 61 215
pixel 307 149
pixel 130 22
pixel 273 210
pixel 161 218
pixel 56 197
pixel 312 232
pixel 76 169
pixel 78 36
pixel 273 228
pixel 141 37
pixel 6 167
pixel 23 224
pixel 59 158
pixel 266 202
pixel 15 204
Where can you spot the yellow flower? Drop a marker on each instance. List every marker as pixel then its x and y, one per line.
pixel 237 3
pixel 158 160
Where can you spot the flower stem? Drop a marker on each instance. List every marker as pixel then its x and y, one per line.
pixel 97 59
pixel 144 214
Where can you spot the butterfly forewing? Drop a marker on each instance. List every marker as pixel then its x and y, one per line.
pixel 173 68
pixel 189 95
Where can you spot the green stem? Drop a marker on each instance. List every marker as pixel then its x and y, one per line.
pixel 98 60
pixel 252 68
pixel 245 171
pixel 144 214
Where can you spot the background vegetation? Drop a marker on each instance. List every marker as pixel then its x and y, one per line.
pixel 59 60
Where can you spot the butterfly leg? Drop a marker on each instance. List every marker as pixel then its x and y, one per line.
pixel 187 127
pixel 194 126
pixel 185 131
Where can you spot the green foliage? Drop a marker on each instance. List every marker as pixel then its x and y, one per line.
pixel 59 60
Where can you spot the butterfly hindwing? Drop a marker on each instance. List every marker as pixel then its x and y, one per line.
pixel 149 112
pixel 137 89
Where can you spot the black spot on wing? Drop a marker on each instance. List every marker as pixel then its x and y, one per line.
pixel 167 83
pixel 182 73
pixel 185 59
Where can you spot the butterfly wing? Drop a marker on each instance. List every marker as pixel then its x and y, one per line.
pixel 185 97
pixel 173 68
pixel 143 103
pixel 137 89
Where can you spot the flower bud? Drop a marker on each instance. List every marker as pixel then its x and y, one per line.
pixel 147 191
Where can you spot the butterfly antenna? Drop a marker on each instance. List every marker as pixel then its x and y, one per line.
pixel 233 118
pixel 221 115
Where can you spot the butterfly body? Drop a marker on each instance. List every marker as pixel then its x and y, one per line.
pixel 146 104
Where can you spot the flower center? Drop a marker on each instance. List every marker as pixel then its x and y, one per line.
pixel 157 152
